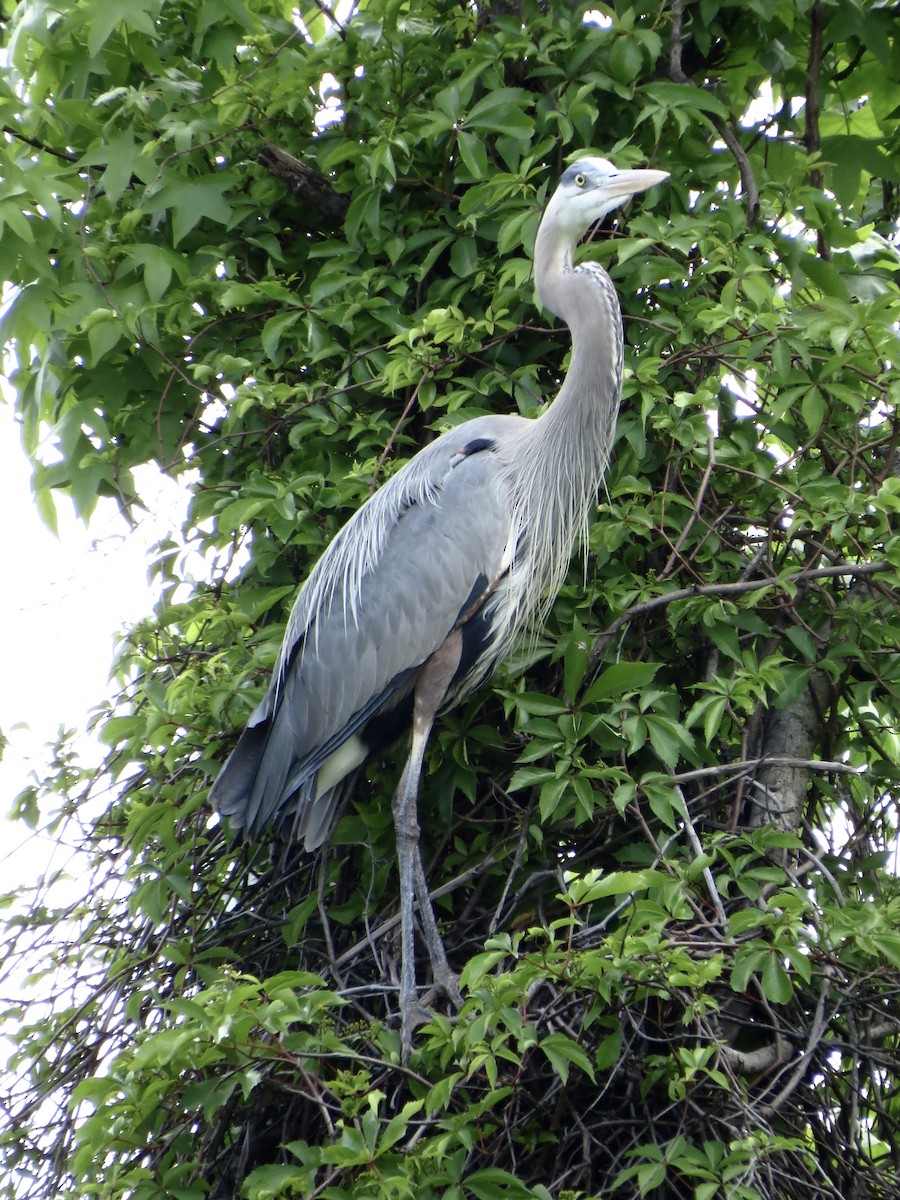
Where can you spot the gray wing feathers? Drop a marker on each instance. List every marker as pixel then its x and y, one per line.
pixel 381 600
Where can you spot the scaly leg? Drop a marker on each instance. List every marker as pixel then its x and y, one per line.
pixel 431 688
pixel 446 981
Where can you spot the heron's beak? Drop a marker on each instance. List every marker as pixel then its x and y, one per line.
pixel 629 183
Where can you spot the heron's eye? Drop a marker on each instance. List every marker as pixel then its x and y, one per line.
pixel 580 181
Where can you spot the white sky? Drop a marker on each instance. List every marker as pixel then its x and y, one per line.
pixel 62 600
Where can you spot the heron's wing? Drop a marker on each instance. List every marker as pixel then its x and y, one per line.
pixel 385 595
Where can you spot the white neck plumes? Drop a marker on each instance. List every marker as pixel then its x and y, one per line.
pixel 558 460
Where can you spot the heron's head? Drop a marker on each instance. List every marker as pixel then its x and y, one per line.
pixel 591 188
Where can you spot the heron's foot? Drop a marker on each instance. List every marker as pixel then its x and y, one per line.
pixel 444 987
pixel 419 1010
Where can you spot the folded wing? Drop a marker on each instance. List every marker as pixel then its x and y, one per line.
pixel 411 563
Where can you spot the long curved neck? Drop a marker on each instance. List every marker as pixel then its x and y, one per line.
pixel 581 420
pixel 560 457
pixel 583 297
pixel 588 401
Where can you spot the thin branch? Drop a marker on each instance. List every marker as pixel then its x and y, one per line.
pixel 714 897
pixel 328 12
pixel 745 766
pixel 435 894
pixel 726 589
pixel 817 1028
pixel 725 129
pixel 695 512
pixel 65 155
pixel 386 451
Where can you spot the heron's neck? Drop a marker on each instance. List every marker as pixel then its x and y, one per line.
pixel 561 456
pixel 582 417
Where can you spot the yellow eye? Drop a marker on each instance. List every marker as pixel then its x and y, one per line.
pixel 579 181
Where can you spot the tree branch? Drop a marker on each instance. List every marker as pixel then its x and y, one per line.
pixel 725 130
pixel 305 183
pixel 816 1030
pixel 811 138
pixel 746 765
pixel 752 1062
pixel 65 155
pixel 725 589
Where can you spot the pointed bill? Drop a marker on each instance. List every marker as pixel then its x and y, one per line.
pixel 629 183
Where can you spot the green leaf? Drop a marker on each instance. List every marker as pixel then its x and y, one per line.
pixel 551 793
pixel 575 660
pixel 122 159
pixel 46 506
pixel 538 705
pixel 106 15
pixel 493 1183
pixel 776 983
pixel 25 808
pixel 823 275
pixel 464 257
pixel 526 777
pixel 625 59
pixel 502 110
pixel 398 1125
pixel 747 964
pixel 683 95
pixel 272 1182
pixel 608 1051
pixel 474 154
pixel 103 335
pixel 813 408
pixel 190 201
pixel 594 886
pixel 158 265
pixel 273 331
pixel 888 945
pixel 620 678
pixel 562 1052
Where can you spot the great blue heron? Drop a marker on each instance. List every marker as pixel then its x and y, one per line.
pixel 426 587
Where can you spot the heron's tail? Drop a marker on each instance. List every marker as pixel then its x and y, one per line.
pixel 262 782
pixel 233 791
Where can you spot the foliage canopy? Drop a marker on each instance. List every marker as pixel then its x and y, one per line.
pixel 273 250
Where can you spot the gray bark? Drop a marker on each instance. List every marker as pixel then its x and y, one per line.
pixel 779 791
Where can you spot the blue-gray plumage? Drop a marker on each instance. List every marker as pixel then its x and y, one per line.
pixel 428 585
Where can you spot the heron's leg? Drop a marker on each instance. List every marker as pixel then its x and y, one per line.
pixel 446 981
pixel 431 687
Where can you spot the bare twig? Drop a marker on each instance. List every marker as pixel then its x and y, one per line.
pixel 695 512
pixel 64 155
pixel 513 871
pixel 392 922
pixel 714 897
pixel 406 411
pixel 747 765
pixel 727 589
pixel 816 1030
pixel 726 130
